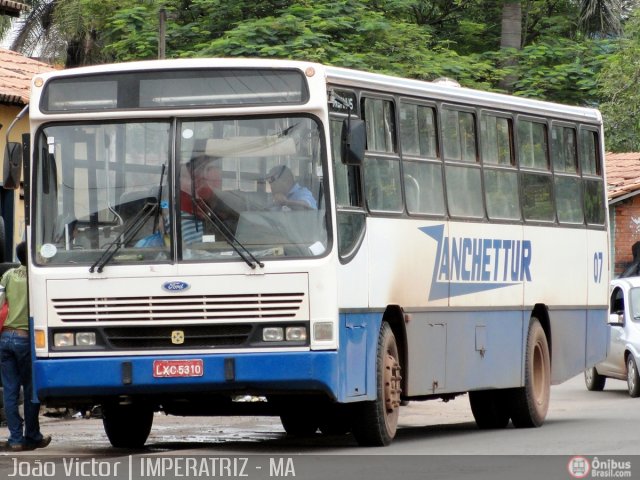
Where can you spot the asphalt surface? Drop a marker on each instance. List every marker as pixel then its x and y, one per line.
pixel 579 422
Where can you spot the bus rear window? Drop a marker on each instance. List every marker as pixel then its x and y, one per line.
pixel 174 89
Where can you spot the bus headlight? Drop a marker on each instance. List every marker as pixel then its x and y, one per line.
pixel 296 334
pixel 78 339
pixel 86 339
pixel 272 334
pixel 63 340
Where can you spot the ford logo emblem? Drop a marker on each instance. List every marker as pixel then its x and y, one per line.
pixel 175 286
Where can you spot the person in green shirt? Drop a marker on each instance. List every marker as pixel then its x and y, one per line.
pixel 15 361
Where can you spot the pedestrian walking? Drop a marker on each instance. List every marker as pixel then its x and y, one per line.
pixel 15 358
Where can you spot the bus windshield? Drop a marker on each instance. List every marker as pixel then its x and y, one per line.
pixel 192 190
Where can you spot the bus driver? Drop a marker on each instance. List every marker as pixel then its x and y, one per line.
pixel 287 192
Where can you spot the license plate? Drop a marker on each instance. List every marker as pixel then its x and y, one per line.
pixel 178 368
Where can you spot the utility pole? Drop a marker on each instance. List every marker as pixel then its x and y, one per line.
pixel 162 34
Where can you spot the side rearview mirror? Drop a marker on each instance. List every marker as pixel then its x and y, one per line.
pixel 352 141
pixel 616 319
pixel 12 166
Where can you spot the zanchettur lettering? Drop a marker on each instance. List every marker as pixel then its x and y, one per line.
pixel 484 260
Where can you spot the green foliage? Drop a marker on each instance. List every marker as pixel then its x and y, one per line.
pixel 561 57
pixel 131 33
pixel 618 86
pixel 560 70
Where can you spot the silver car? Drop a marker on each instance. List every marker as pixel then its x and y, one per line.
pixel 624 344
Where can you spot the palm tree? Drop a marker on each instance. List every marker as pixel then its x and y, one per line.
pixel 510 37
pixel 35 33
pixel 56 31
pixel 602 17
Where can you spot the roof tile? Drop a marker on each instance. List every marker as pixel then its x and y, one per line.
pixel 623 174
pixel 16 72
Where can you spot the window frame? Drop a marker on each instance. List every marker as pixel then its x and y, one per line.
pixel 375 155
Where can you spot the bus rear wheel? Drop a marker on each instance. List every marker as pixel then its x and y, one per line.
pixel 529 404
pixel 127 426
pixel 489 408
pixel 375 423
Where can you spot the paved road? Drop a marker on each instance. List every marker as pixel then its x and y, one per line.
pixel 579 422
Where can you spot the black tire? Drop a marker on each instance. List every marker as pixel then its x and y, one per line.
pixel 593 380
pixel 489 408
pixel 375 422
pixel 334 420
pixel 529 404
pixel 299 424
pixel 127 426
pixel 633 380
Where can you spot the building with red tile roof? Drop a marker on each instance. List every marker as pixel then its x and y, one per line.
pixel 16 72
pixel 623 193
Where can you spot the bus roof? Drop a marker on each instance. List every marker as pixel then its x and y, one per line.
pixel 359 79
pixel 448 92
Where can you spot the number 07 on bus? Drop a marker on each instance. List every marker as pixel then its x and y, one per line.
pixel 335 243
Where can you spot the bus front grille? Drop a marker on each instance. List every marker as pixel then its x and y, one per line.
pixel 183 308
pixel 192 336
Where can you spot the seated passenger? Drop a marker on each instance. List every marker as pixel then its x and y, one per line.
pixel 287 193
pixel 200 177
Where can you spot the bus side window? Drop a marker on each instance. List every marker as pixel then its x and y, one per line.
pixel 422 175
pixel 381 172
pixel 568 186
pixel 591 166
pixel 350 215
pixel 536 183
pixel 463 181
pixel 500 175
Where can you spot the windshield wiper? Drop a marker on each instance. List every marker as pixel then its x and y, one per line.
pixel 228 235
pixel 129 231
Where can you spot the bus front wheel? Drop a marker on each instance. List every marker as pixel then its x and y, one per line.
pixel 530 403
pixel 375 423
pixel 299 423
pixel 127 426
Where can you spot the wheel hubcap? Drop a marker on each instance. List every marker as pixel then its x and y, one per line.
pixel 392 388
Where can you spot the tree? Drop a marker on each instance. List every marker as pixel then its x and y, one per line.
pixel 528 47
pixel 63 31
pixel 618 87
pixel 601 17
pixel 511 38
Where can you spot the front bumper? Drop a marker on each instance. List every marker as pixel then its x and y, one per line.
pixel 312 372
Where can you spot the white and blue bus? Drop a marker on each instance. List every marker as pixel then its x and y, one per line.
pixel 334 242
